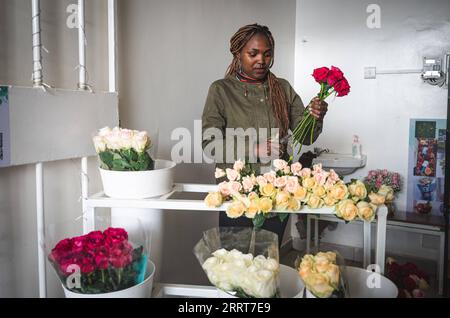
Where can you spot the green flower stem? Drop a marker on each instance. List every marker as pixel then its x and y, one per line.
pixel 299 137
pixel 312 130
pixel 306 114
pixel 303 134
pixel 328 94
pixel 303 125
pixel 119 276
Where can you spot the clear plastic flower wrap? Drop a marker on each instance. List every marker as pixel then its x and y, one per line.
pixel 324 275
pixel 101 261
pixel 241 261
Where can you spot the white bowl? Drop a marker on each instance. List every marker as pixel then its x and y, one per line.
pixel 366 284
pixel 139 184
pixel 142 290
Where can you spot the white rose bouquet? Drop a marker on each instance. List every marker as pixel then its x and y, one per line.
pixel 123 149
pixel 243 275
pixel 241 261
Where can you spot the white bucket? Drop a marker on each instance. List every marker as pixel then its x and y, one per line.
pixel 142 290
pixel 291 286
pixel 139 184
pixel 366 284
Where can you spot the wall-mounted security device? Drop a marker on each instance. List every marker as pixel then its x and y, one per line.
pixel 432 68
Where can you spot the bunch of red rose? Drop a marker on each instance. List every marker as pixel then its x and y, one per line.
pixel 105 261
pixel 331 81
pixel 409 279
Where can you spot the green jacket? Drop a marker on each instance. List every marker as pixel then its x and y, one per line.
pixel 234 104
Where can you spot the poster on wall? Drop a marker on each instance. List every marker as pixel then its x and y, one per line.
pixel 425 189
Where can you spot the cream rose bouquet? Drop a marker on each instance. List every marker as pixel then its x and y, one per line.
pixel 322 275
pixel 241 261
pixel 123 149
pixel 243 275
pixel 288 188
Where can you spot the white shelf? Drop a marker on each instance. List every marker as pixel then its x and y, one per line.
pixel 184 291
pixel 100 200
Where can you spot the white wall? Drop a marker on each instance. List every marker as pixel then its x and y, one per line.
pixel 18 246
pixel 170 52
pixel 377 110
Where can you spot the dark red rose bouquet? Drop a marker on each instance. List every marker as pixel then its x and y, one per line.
pixel 409 279
pixel 99 262
pixel 331 81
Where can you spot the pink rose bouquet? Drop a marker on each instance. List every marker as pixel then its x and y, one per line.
pixel 99 262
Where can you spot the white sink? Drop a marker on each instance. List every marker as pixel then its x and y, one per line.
pixel 343 164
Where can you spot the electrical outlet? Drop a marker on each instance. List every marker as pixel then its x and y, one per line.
pixel 370 72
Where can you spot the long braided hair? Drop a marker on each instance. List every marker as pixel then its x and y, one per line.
pixel 276 93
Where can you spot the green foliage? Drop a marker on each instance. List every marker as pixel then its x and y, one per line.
pixel 282 216
pixel 126 160
pixel 258 220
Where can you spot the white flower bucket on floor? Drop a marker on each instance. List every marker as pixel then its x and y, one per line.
pixel 291 286
pixel 142 290
pixel 139 184
pixel 366 284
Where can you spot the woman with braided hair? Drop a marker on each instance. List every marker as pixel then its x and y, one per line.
pixel 258 107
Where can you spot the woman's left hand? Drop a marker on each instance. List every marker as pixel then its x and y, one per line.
pixel 318 108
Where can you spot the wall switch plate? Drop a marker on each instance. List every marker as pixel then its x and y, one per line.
pixel 370 72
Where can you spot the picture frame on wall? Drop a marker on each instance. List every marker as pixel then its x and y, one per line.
pixel 426 166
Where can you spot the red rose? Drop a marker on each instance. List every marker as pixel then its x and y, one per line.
pixel 94 240
pixel 342 88
pixel 121 261
pixel 115 235
pixel 87 265
pixel 409 283
pixel 410 268
pixel 65 263
pixel 61 250
pixel 78 243
pixel 101 261
pixel 334 76
pixel 423 275
pixel 320 74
